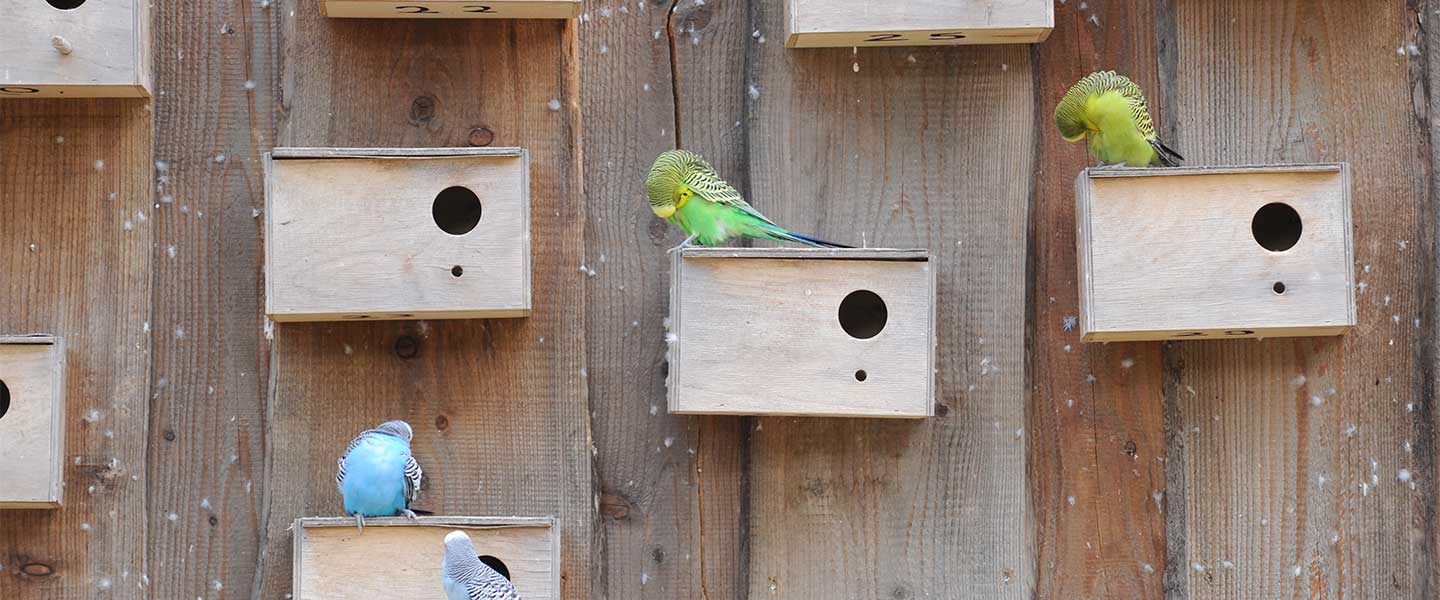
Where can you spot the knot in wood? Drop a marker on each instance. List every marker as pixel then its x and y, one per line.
pixel 614 506
pixel 407 347
pixel 481 136
pixel 422 110
pixel 37 569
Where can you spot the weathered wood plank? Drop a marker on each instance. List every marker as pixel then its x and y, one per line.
pixel 75 232
pixel 1292 451
pixel 217 73
pixel 498 406
pixel 672 501
pixel 883 147
pixel 1097 479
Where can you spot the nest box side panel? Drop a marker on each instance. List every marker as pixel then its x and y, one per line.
pixel 763 336
pixel 359 238
pixel 106 40
pixel 1168 255
pixel 32 423
pixel 335 561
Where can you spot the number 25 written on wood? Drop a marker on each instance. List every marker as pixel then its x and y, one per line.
pixel 900 37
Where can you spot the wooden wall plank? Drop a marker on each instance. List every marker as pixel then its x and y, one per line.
pixel 217 75
pixel 903 147
pixel 671 486
pixel 76 226
pixel 498 406
pixel 1291 451
pixel 1097 476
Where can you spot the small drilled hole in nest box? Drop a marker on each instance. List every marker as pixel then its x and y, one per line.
pixel 456 210
pixel 863 314
pixel 497 564
pixel 65 4
pixel 4 399
pixel 1276 226
pixel 457 270
pixel 1279 287
pixel 861 375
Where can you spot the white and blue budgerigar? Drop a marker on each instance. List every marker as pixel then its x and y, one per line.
pixel 377 476
pixel 466 578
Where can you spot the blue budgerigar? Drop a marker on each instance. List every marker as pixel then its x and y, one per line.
pixel 377 476
pixel 466 578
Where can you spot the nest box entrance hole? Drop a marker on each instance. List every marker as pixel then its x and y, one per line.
pixel 497 564
pixel 4 399
pixel 863 315
pixel 65 4
pixel 1276 227
pixel 456 211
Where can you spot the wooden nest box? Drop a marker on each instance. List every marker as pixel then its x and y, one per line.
pixel 798 331
pixel 850 23
pixel 75 48
pixel 1226 252
pixel 451 9
pixel 397 233
pixel 396 557
pixel 32 421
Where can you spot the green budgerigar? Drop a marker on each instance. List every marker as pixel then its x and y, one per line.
pixel 1110 110
pixel 686 191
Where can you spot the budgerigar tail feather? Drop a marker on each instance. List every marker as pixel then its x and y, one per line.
pixel 1168 156
pixel 790 236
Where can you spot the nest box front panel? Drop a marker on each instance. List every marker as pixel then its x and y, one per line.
pixel 1217 253
pixel 850 23
pixel 398 237
pixel 74 48
pixel 32 411
pixel 451 9
pixel 334 560
pixel 811 336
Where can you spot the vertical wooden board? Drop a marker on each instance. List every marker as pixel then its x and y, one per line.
pixel 217 73
pixel 498 406
pixel 75 228
pixel 1291 451
pixel 1094 411
pixel 672 487
pixel 883 147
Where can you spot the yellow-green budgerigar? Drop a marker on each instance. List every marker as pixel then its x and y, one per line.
pixel 1110 110
pixel 686 191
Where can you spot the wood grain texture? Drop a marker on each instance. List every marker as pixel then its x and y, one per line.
pixel 335 560
pixel 672 487
pixel 498 406
pixel 1096 436
pixel 360 235
pixel 869 509
pixel 106 50
pixel 32 421
pixel 762 332
pixel 217 109
pixel 836 23
pixel 1291 451
pixel 75 228
pixel 1176 254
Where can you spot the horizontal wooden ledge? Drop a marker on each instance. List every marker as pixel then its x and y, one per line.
pixel 392 152
pixel 1099 173
pixel 896 254
pixel 429 521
